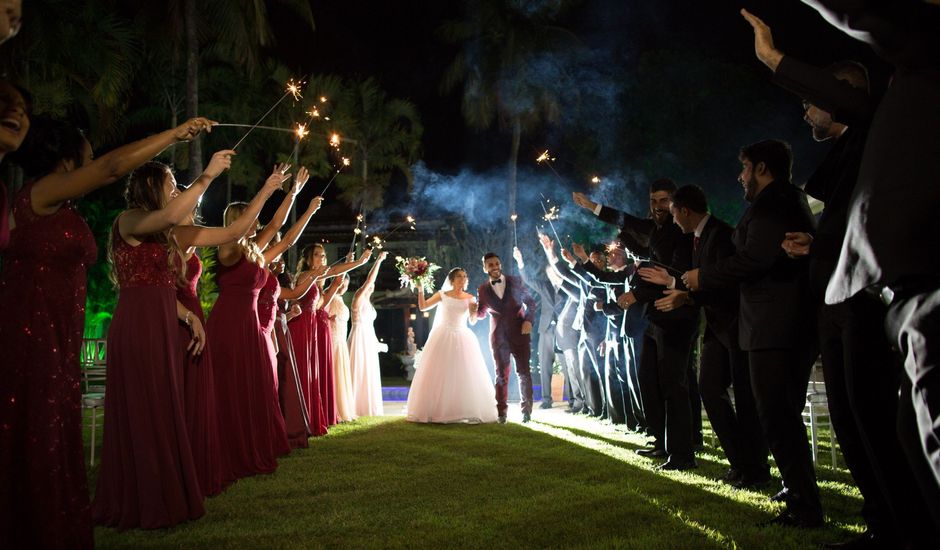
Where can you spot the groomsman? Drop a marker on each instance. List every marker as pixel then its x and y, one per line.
pixel 551 301
pixel 566 336
pixel 776 316
pixel 667 344
pixel 863 377
pixel 722 364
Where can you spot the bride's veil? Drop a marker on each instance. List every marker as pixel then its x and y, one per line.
pixel 446 286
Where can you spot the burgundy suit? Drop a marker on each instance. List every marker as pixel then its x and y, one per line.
pixel 506 338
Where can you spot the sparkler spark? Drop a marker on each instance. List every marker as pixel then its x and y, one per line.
pixel 595 180
pixel 334 140
pixel 301 131
pixel 293 88
pixel 513 217
pixel 545 156
pixel 345 161
pixel 323 99
pixel 360 217
pixel 551 214
pixel 410 219
pixel 314 113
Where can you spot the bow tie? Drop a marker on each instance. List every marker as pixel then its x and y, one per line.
pixel 497 281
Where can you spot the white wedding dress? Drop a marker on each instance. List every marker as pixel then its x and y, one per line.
pixel 364 362
pixel 451 383
pixel 342 377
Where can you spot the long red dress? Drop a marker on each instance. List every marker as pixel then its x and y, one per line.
pixel 304 336
pixel 267 314
pixel 202 423
pixel 250 423
pixel 43 488
pixel 147 478
pixel 325 366
pixel 290 392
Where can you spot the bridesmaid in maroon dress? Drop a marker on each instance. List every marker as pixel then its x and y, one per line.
pixel 325 352
pixel 148 478
pixel 199 380
pixel 250 420
pixel 303 335
pixel 307 331
pixel 43 489
pixel 290 387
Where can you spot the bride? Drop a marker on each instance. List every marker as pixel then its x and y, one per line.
pixel 452 383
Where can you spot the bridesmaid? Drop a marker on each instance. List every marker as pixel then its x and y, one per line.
pixel 315 256
pixel 290 390
pixel 148 478
pixel 364 348
pixel 250 422
pixel 43 492
pixel 324 341
pixel 199 379
pixel 14 109
pixel 342 381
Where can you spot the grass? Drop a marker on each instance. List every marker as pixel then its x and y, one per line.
pixel 560 481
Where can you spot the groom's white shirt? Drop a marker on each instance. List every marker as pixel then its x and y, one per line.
pixel 500 287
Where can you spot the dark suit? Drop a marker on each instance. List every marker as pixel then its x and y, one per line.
pixel 889 234
pixel 551 303
pixel 724 364
pixel 862 376
pixel 775 328
pixel 506 339
pixel 591 326
pixel 667 344
pixel 566 338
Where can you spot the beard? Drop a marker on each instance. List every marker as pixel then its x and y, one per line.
pixel 750 189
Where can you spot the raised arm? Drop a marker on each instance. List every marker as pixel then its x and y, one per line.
pixel 427 304
pixel 280 216
pixel 136 223
pixel 339 269
pixel 290 238
pixel 188 236
pixel 330 292
pixel 53 189
pixel 304 284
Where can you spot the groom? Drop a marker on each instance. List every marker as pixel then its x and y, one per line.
pixel 512 311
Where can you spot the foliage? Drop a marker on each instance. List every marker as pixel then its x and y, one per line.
pixel 99 212
pixel 207 288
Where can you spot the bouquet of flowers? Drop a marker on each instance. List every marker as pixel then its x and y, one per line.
pixel 414 272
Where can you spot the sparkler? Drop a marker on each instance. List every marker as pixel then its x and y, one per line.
pixel 360 219
pixel 547 159
pixel 343 164
pixel 595 180
pixel 641 260
pixel 335 140
pixel 515 240
pixel 550 215
pixel 301 131
pixel 293 89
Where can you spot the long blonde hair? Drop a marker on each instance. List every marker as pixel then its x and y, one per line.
pixel 246 244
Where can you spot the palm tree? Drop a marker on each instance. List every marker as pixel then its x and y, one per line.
pixel 499 42
pixel 385 137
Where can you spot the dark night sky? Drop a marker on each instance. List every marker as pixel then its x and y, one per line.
pixel 396 43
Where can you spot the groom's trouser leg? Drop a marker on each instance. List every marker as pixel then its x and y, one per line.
pixel 576 399
pixel 501 364
pixel 522 353
pixel 546 362
pixel 616 406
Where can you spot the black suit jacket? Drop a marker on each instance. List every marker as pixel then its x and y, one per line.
pixel 551 301
pixel 834 180
pixel 776 307
pixel 888 230
pixel 506 314
pixel 721 305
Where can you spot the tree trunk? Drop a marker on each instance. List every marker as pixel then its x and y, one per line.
pixel 190 15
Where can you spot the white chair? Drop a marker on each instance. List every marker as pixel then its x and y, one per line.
pixel 816 414
pixel 93 362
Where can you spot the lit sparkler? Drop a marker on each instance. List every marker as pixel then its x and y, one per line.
pixel 550 215
pixel 345 161
pixel 335 140
pixel 547 159
pixel 301 131
pixel 595 180
pixel 515 240
pixel 293 89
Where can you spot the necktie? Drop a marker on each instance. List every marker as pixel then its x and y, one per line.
pixel 695 243
pixel 496 281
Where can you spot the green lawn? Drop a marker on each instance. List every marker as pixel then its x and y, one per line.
pixel 560 481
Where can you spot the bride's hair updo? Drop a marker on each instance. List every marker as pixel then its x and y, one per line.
pixel 453 273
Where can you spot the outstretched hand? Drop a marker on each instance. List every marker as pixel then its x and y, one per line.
pixel 581 200
pixel 656 275
pixel 674 299
pixel 579 251
pixel 517 255
pixel 192 127
pixel 278 177
pixel 763 41
pixel 220 162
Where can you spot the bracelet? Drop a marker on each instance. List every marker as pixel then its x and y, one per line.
pixel 188 319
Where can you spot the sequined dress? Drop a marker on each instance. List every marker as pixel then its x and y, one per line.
pixel 202 423
pixel 43 487
pixel 303 335
pixel 250 423
pixel 148 477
